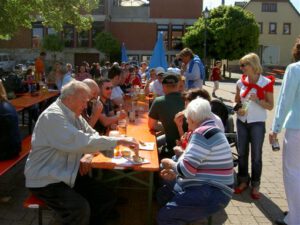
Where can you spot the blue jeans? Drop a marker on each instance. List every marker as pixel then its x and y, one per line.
pixel 191 204
pixel 253 133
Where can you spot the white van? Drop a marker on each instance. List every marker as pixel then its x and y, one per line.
pixel 6 62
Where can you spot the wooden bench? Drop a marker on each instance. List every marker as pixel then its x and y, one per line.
pixel 271 74
pixel 278 71
pixel 8 164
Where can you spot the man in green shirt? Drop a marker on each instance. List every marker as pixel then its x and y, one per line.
pixel 164 109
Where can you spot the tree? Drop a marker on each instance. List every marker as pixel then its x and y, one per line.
pixel 231 33
pixel 53 13
pixel 105 42
pixel 53 43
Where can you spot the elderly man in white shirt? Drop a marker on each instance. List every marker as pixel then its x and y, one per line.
pixel 60 158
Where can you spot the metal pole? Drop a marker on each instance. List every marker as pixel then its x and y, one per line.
pixel 204 51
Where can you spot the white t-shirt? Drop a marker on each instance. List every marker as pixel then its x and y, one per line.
pixel 156 88
pixel 218 122
pixel 116 93
pixel 255 112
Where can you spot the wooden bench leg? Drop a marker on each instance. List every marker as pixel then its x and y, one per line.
pixel 40 216
pixel 209 220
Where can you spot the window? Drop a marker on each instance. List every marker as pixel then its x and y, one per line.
pixel 173 59
pixel 83 39
pixel 133 58
pixel 269 7
pixel 272 28
pixel 177 33
pixel 286 28
pixel 165 30
pixel 146 58
pixel 50 30
pixel 260 25
pixel 96 29
pixel 186 28
pixel 37 35
pixel 69 36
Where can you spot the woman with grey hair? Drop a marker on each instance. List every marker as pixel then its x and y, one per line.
pixel 203 173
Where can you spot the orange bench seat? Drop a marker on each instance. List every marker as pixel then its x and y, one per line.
pixel 5 165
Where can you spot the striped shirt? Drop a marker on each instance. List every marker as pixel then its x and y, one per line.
pixel 206 160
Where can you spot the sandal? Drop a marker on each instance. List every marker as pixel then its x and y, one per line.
pixel 255 194
pixel 238 190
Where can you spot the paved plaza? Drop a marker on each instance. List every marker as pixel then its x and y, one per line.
pixel 241 210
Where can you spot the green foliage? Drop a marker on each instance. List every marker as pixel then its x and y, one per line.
pixel 53 13
pixel 231 33
pixel 105 42
pixel 53 43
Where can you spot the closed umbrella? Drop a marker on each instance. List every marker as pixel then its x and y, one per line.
pixel 124 57
pixel 158 58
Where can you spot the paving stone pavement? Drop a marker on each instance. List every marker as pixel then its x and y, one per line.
pixel 241 210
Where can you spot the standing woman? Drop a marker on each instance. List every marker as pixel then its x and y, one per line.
pixel 287 116
pixel 255 93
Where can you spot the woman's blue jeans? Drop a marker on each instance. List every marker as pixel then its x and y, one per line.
pixel 191 204
pixel 254 134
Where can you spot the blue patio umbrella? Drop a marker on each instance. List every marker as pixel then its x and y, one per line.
pixel 158 58
pixel 124 57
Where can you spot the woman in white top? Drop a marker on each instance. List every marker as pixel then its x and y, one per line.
pixel 255 93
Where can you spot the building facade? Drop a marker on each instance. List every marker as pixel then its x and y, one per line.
pixel 134 22
pixel 279 27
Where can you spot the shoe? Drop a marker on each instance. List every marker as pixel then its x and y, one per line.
pixel 280 222
pixel 255 195
pixel 239 190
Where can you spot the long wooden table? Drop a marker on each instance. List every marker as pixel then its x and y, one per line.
pixel 139 130
pixel 27 100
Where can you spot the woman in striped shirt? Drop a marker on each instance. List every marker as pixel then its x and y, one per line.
pixel 203 173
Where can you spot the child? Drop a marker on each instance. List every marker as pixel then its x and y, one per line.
pixel 216 76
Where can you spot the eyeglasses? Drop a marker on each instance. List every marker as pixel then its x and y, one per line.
pixel 108 88
pixel 244 64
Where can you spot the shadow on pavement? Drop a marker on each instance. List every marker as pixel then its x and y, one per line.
pixel 264 204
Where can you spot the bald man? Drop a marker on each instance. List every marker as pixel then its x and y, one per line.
pixel 94 109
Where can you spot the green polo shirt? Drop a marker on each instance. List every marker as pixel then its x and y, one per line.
pixel 164 109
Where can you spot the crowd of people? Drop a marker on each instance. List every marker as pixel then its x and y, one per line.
pixel 196 177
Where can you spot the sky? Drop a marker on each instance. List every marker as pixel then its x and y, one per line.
pixel 215 3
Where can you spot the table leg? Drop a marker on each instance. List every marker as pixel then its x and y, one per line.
pixel 150 194
pixel 29 120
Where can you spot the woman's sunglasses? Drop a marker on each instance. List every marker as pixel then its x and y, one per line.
pixel 244 64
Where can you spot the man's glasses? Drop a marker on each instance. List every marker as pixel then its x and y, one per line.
pixel 244 64
pixel 108 88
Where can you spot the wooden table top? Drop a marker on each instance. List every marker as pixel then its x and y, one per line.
pixel 278 71
pixel 28 100
pixel 139 130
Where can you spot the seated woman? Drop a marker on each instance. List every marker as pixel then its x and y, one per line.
pixel 204 173
pixel 10 138
pixel 188 96
pixel 132 79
